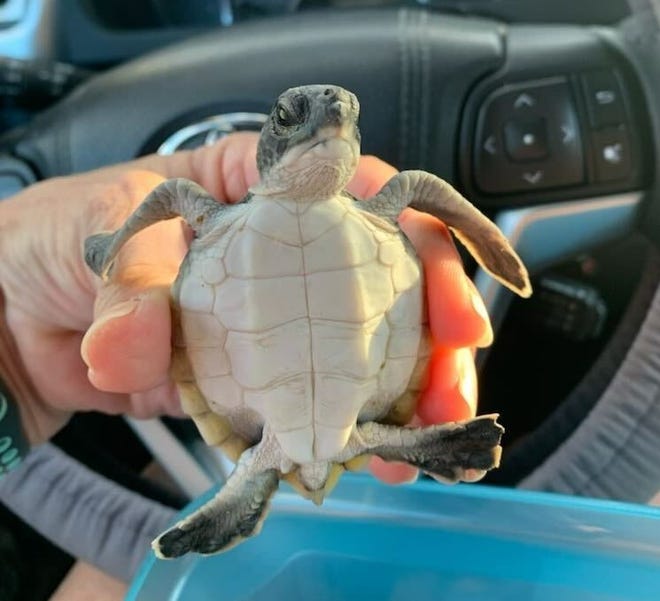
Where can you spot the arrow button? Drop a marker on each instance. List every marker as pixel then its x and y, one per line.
pixel 490 145
pixel 533 177
pixel 526 139
pixel 524 100
pixel 567 133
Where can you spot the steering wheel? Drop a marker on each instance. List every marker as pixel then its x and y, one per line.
pixel 548 129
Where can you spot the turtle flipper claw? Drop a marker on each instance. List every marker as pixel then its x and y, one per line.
pixel 174 543
pixel 97 251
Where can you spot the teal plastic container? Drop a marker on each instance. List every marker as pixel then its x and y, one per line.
pixel 423 542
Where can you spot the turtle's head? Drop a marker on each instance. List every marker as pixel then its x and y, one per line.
pixel 310 144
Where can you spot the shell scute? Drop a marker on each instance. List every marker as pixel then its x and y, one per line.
pixel 351 350
pixel 197 295
pixel 339 400
pixel 202 330
pixel 404 342
pixel 353 295
pixel 222 392
pixel 209 362
pixel 262 359
pixel 284 404
pixel 405 274
pixel 254 255
pixel 341 246
pixel 212 270
pixel 259 304
pixel 273 219
pixel 326 216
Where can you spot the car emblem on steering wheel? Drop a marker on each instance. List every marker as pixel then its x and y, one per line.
pixel 210 130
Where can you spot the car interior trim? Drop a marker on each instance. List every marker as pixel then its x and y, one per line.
pixel 614 453
pixel 210 130
pixel 545 234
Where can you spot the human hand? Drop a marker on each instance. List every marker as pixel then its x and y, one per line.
pixel 55 307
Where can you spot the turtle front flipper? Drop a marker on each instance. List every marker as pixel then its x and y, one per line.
pixel 234 514
pixel 452 452
pixel 485 241
pixel 177 197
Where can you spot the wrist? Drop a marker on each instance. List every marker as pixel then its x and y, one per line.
pixel 16 392
pixel 13 443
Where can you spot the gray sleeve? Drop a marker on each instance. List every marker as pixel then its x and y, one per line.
pixel 85 514
pixel 614 452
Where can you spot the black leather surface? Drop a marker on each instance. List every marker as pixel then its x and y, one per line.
pixel 411 71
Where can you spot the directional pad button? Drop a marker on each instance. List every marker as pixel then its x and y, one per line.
pixel 528 137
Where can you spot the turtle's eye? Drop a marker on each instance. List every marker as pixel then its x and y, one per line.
pixel 284 117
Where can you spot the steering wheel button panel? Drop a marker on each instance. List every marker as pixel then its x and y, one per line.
pixel 528 137
pixel 604 98
pixel 612 150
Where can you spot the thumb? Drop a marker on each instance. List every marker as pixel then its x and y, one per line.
pixel 127 348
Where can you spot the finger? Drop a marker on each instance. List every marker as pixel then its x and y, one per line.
pixel 127 348
pixel 371 175
pixel 457 315
pixel 225 169
pixel 451 392
pixel 393 472
pixel 161 400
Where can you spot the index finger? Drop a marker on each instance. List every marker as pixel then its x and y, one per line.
pixel 457 315
pixel 371 175
pixel 225 169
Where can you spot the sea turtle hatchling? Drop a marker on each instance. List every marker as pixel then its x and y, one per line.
pixel 299 319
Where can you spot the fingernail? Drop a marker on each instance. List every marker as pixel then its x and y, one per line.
pixel 119 310
pixel 473 475
pixel 479 307
pixel 467 381
pixel 411 478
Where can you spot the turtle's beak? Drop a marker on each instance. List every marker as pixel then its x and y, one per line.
pixel 337 108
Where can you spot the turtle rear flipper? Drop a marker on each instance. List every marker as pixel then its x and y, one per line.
pixel 460 451
pixel 234 514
